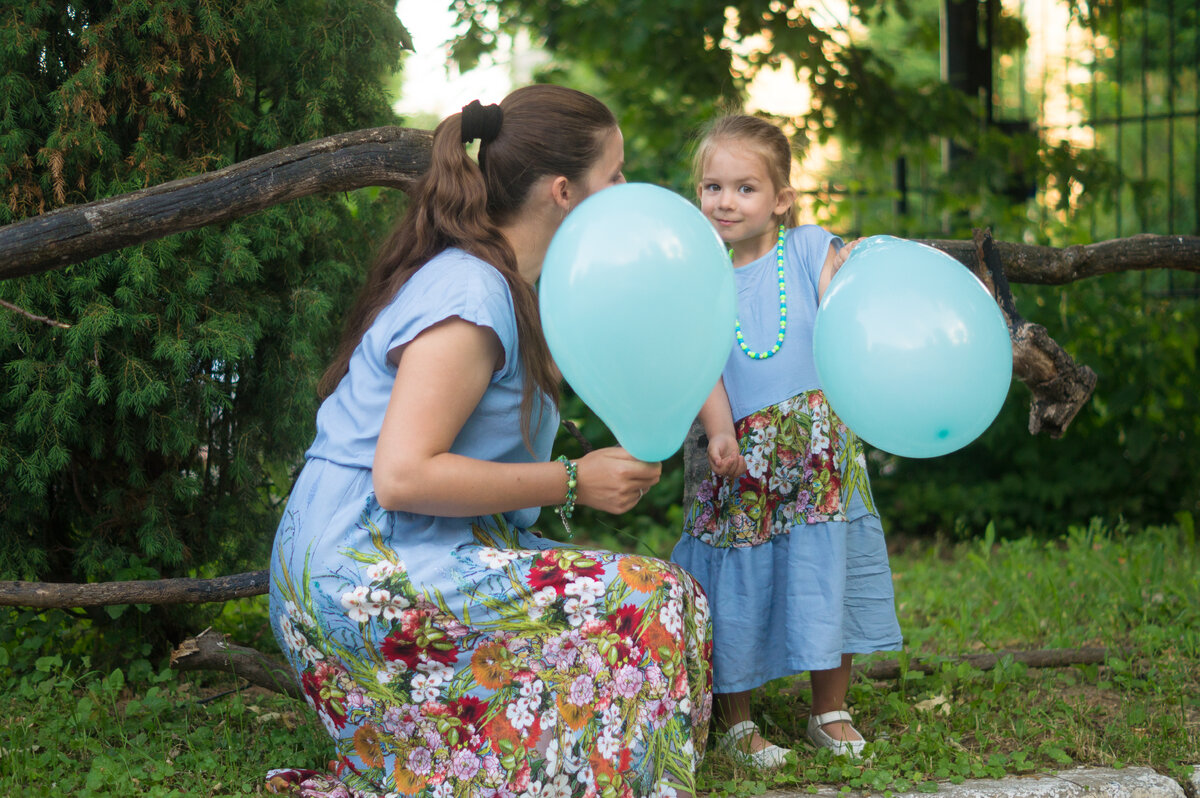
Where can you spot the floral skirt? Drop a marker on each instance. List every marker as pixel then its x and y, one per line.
pixel 497 664
pixel 791 555
pixel 804 466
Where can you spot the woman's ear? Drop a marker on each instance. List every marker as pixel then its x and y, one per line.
pixel 560 192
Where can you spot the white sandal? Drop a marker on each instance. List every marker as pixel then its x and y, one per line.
pixel 819 738
pixel 768 758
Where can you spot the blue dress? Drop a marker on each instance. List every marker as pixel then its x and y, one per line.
pixel 791 554
pixel 468 656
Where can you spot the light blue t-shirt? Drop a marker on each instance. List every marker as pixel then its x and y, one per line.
pixel 452 284
pixel 754 384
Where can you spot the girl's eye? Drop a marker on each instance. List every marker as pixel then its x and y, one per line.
pixel 745 189
pixel 712 187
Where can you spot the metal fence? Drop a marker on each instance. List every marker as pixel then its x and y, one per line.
pixel 1119 81
pixel 1111 93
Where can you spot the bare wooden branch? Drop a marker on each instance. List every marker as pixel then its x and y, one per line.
pixel 1042 658
pixel 396 157
pixel 1060 386
pixel 47 595
pixel 212 651
pixel 884 670
pixel 385 156
pixel 1026 263
pixel 20 311
pixel 571 427
pixel 695 463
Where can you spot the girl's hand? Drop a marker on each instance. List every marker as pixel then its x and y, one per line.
pixel 613 480
pixel 834 260
pixel 838 258
pixel 724 458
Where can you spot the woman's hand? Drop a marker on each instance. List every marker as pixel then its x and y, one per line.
pixel 613 480
pixel 724 458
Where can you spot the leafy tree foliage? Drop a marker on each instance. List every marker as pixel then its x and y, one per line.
pixel 877 89
pixel 678 61
pixel 155 431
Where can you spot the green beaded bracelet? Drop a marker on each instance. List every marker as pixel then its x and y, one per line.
pixel 567 508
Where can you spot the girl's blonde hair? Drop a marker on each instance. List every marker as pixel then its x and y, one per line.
pixel 759 135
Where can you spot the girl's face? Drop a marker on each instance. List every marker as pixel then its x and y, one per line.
pixel 739 198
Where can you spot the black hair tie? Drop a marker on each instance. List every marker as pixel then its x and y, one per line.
pixel 481 122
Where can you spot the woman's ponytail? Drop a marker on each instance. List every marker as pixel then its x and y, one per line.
pixel 536 131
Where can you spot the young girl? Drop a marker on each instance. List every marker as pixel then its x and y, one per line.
pixel 447 650
pixel 784 537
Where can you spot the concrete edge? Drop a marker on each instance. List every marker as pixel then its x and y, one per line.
pixel 1132 782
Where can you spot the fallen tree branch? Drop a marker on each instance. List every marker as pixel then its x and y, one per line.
pixel 386 156
pixel 212 651
pixel 1060 386
pixel 884 670
pixel 48 595
pixel 1041 658
pixel 396 157
pixel 1039 265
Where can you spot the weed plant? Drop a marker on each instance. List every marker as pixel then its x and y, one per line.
pixel 69 727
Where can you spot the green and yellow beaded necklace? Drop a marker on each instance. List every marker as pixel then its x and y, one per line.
pixel 782 308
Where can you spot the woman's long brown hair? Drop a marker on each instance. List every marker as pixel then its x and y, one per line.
pixel 546 130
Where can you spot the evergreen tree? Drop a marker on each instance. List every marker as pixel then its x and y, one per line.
pixel 157 432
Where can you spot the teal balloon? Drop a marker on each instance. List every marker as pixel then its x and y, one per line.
pixel 911 349
pixel 638 308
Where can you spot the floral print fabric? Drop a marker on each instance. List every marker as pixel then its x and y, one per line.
pixel 529 670
pixel 803 465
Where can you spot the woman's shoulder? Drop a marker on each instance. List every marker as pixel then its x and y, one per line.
pixel 451 284
pixel 461 271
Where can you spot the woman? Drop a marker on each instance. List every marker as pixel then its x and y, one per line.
pixel 448 650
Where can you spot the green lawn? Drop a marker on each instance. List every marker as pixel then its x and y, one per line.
pixel 135 727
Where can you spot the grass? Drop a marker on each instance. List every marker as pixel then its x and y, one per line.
pixel 1137 595
pixel 67 727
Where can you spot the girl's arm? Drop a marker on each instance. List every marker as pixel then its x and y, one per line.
pixel 834 260
pixel 440 378
pixel 717 419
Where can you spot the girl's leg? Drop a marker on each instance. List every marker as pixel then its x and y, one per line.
pixel 829 694
pixel 732 709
